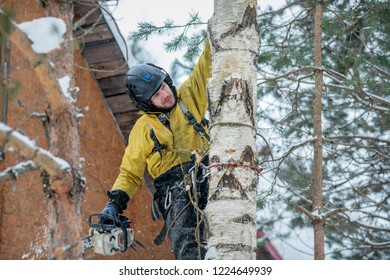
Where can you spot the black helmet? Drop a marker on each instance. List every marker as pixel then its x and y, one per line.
pixel 143 81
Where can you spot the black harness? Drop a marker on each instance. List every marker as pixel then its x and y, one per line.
pixel 198 127
pixel 166 190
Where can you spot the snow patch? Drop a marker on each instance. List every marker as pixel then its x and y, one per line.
pixel 65 88
pixel 316 213
pixel 38 248
pixel 211 254
pixel 353 216
pixel 45 33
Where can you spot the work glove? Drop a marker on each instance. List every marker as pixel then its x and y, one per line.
pixel 117 202
pixel 111 209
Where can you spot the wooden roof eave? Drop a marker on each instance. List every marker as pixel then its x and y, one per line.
pixel 105 51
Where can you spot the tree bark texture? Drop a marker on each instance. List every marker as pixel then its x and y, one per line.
pixel 64 192
pixel 231 209
pixel 317 125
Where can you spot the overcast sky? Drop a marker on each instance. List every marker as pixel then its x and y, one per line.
pixel 129 13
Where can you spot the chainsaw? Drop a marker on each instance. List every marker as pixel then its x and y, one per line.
pixel 109 235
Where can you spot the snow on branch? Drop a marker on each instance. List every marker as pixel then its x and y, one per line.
pixel 41 65
pixel 15 141
pixel 385 244
pixel 317 215
pixel 12 173
pixel 46 34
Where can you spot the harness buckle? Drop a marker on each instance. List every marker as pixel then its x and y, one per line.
pixel 168 199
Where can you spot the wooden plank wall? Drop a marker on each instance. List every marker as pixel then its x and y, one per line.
pixel 106 62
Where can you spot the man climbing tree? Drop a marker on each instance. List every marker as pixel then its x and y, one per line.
pixel 166 139
pixel 171 139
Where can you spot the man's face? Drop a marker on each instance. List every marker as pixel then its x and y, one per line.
pixel 163 98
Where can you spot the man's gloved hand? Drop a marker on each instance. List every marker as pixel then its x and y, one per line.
pixel 117 202
pixel 111 209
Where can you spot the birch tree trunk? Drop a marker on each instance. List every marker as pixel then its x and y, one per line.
pixel 231 210
pixel 318 224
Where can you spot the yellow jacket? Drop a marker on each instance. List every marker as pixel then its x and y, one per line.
pixel 181 139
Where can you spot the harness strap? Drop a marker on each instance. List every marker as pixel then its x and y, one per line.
pixel 161 236
pixel 158 147
pixel 199 127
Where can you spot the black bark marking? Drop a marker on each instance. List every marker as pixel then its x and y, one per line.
pixel 225 90
pixel 228 180
pixel 248 156
pixel 215 159
pixel 243 95
pixel 245 219
pixel 248 19
pixel 248 102
pixel 235 247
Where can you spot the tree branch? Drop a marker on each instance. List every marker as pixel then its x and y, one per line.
pixel 54 166
pixel 12 173
pixel 334 212
pixel 292 149
pixel 302 69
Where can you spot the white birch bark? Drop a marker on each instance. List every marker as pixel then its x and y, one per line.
pixel 231 209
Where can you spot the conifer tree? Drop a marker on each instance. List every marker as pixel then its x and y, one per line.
pixel 355 118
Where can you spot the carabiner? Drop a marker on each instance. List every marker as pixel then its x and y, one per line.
pixel 168 200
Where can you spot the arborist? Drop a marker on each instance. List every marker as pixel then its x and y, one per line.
pixel 171 140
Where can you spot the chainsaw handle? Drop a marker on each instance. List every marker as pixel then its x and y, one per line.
pixel 105 222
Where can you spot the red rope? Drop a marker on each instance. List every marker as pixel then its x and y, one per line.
pixel 259 170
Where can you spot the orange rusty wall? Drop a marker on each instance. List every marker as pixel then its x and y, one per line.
pixel 23 207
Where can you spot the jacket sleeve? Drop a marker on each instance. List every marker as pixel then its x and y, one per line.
pixel 194 86
pixel 131 172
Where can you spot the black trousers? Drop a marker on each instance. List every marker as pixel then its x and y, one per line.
pixel 181 219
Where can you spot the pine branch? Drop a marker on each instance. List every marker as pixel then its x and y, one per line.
pixel 182 39
pixel 147 29
pixel 284 157
pixel 385 244
pixel 317 215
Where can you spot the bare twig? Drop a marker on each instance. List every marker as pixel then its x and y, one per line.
pixel 307 213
